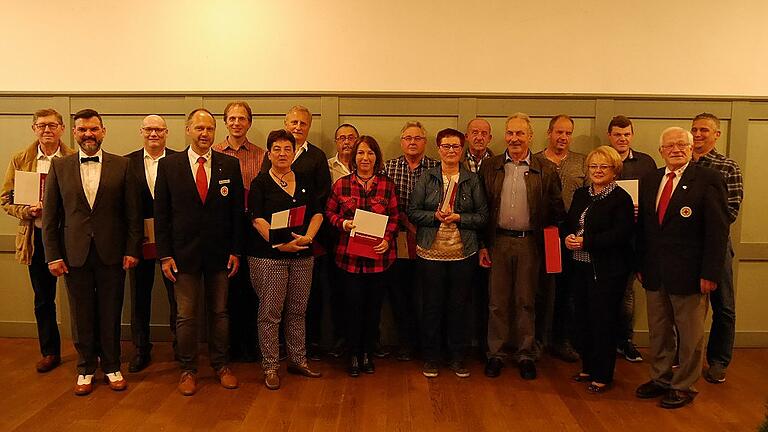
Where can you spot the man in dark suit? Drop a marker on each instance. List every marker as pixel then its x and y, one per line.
pixel 92 234
pixel 198 228
pixel 683 229
pixel 143 165
pixel 312 162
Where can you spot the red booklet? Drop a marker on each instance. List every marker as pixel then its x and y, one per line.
pixel 368 233
pixel 554 262
pixel 283 221
pixel 362 245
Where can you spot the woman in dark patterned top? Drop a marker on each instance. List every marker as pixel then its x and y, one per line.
pixel 364 278
pixel 279 257
pixel 600 223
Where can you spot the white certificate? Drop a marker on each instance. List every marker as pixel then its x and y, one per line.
pixel 369 223
pixel 632 187
pixel 26 188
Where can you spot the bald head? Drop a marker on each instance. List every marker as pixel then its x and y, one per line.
pixel 155 132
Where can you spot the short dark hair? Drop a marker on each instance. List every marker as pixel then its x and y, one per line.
pixel 242 104
pixel 86 114
pixel 371 142
pixel 197 110
pixel 554 120
pixel 708 116
pixel 345 125
pixel 280 135
pixel 620 121
pixel 450 132
pixel 45 113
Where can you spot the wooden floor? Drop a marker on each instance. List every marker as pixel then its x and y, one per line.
pixel 396 398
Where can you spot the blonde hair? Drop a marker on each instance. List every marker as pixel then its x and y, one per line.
pixel 610 154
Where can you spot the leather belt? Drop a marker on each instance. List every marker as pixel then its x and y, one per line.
pixel 513 233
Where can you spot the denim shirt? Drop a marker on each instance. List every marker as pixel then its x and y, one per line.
pixel 470 204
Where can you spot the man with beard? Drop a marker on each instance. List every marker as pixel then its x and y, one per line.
pixel 92 234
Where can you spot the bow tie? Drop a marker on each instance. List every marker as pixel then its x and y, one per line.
pixel 89 159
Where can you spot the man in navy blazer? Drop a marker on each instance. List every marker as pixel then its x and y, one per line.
pixel 143 166
pixel 683 229
pixel 198 229
pixel 92 234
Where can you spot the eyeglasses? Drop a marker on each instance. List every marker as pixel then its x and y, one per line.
pixel 412 138
pixel 679 146
pixel 450 147
pixel 149 130
pixel 44 126
pixel 601 167
pixel 342 138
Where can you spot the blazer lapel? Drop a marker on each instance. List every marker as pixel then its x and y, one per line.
pixel 217 168
pixel 185 168
pixel 79 182
pixel 680 193
pixel 106 163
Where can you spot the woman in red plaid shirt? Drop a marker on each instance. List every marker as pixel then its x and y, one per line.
pixel 363 278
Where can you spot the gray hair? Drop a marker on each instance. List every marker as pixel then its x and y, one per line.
pixel 522 116
pixel 671 129
pixel 417 124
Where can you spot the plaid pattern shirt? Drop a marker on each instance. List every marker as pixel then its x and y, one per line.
pixel 346 197
pixel 405 179
pixel 733 179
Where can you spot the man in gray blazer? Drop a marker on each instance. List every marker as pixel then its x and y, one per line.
pixel 92 233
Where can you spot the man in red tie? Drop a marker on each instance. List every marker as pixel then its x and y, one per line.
pixel 198 230
pixel 683 228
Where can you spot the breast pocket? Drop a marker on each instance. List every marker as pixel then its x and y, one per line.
pixel 348 206
pixel 379 205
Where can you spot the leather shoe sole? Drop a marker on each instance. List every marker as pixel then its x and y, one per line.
pixel 48 363
pixel 83 389
pixel 116 385
pixel 676 399
pixel 304 371
pixel 187 384
pixel 650 390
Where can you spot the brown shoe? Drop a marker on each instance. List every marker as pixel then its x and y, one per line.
pixel 271 380
pixel 227 378
pixel 303 370
pixel 48 363
pixel 84 385
pixel 116 381
pixel 187 384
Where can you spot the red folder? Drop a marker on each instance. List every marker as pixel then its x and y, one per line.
pixel 552 253
pixel 362 245
pixel 149 250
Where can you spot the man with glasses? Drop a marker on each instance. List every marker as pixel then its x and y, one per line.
pixel 143 165
pixel 404 171
pixel 706 130
pixel 523 197
pixel 555 302
pixel 478 138
pixel 92 232
pixel 635 165
pixel 345 138
pixel 682 234
pixel 242 300
pixel 48 126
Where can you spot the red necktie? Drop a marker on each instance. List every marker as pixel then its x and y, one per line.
pixel 666 194
pixel 201 179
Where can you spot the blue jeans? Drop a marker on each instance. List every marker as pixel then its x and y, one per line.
pixel 723 330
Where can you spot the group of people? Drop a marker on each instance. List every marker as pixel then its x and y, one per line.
pixel 262 233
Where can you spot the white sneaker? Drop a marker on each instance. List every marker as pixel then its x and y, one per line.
pixel 114 376
pixel 84 379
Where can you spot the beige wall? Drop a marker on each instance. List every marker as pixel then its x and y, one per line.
pixel 745 126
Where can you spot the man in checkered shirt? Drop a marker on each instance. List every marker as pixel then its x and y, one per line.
pixel 404 171
pixel 706 130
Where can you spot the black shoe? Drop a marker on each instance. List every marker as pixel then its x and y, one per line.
pixel 458 367
pixel 651 390
pixel 527 369
pixel 565 352
pixel 493 367
pixel 430 369
pixel 367 365
pixel 380 351
pixel 139 363
pixel 676 399
pixel 629 351
pixel 354 367
pixel 338 349
pixel 313 352
pixel 404 355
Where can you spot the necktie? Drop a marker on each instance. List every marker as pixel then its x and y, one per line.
pixel 201 179
pixel 666 194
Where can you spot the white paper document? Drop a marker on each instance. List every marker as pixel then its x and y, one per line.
pixel 26 188
pixel 369 223
pixel 632 187
pixel 280 219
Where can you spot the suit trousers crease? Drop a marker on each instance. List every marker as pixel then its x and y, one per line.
pixel 142 282
pixel 686 313
pixel 215 286
pixel 512 296
pixel 95 292
pixel 44 288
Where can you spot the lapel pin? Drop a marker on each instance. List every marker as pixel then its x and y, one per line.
pixel 685 187
pixel 224 191
pixel 686 211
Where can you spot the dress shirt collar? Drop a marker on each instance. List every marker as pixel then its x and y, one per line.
pixel 678 172
pixel 149 156
pixel 99 154
pixel 42 155
pixel 508 158
pixel 193 157
pixel 228 144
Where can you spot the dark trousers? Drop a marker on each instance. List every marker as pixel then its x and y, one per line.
pixel 96 302
pixel 314 324
pixel 363 293
pixel 555 308
pixel 404 299
pixel 479 293
pixel 445 303
pixel 187 288
pixel 626 326
pixel 337 301
pixel 44 287
pixel 597 315
pixel 242 305
pixel 723 330
pixel 143 280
